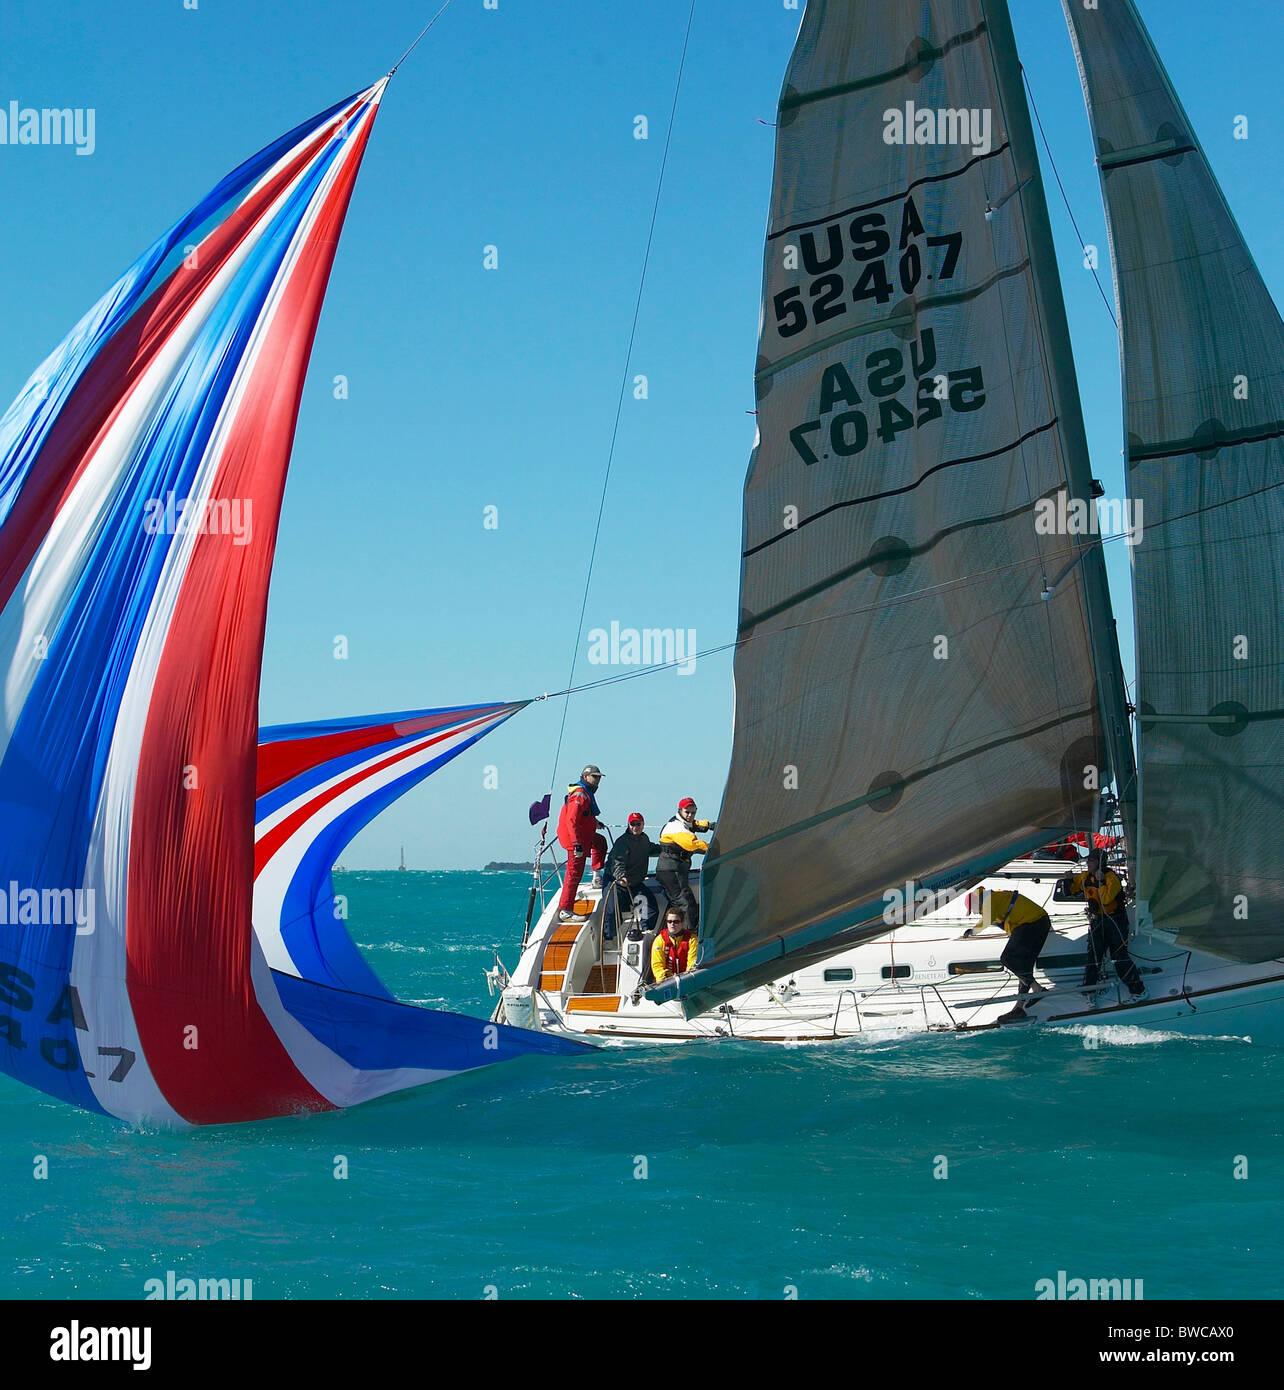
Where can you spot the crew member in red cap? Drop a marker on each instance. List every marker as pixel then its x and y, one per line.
pixel 678 842
pixel 626 871
pixel 578 835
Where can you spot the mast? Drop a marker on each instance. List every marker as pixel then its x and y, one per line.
pixel 1059 357
pixel 926 671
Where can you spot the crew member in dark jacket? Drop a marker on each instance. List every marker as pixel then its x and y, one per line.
pixel 626 871
pixel 679 840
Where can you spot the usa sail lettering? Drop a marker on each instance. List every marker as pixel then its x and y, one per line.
pixel 885 377
pixel 17 996
pixel 869 242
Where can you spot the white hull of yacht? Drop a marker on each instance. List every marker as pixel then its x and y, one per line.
pixel 924 977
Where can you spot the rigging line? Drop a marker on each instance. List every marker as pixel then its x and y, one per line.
pixel 917 594
pixel 1055 405
pixel 624 384
pixel 422 32
pixel 1110 741
pixel 1083 245
pixel 930 590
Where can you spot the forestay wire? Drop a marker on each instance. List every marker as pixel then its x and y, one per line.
pixel 912 596
pixel 619 405
pixel 1105 298
pixel 417 42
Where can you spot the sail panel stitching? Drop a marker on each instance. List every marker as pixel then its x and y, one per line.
pixel 863 564
pixel 1047 726
pixel 863 84
pixel 899 491
pixel 891 197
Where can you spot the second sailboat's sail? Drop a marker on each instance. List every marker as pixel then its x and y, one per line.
pixel 916 691
pixel 1203 357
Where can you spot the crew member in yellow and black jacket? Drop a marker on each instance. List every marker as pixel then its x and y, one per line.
pixel 1099 887
pixel 1027 926
pixel 679 840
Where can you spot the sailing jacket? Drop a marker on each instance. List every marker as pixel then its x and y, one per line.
pixel 672 955
pixel 994 909
pixel 1102 893
pixel 577 821
pixel 678 844
pixel 628 857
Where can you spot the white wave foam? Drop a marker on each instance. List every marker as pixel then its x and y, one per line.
pixel 1130 1035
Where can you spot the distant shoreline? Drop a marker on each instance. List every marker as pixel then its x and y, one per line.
pixel 496 866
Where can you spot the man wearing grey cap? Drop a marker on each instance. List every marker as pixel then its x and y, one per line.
pixel 578 834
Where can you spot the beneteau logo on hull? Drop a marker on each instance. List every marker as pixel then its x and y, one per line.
pixel 48 125
pixel 922 126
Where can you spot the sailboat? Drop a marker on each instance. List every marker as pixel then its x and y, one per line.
pixel 928 683
pixel 171 951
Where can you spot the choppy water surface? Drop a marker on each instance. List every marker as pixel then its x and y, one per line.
pixel 766 1166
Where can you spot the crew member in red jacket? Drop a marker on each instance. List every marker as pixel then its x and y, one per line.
pixel 578 835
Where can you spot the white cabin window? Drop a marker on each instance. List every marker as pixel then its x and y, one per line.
pixel 838 973
pixel 897 972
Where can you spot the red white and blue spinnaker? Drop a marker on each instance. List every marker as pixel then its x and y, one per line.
pixel 210 979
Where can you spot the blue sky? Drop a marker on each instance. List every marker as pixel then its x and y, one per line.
pixel 471 388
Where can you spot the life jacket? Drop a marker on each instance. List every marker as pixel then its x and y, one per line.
pixel 678 842
pixel 676 953
pixel 1096 889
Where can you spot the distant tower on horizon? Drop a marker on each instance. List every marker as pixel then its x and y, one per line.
pixel 402 865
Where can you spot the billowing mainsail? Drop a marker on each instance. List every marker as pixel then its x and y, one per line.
pixel 925 652
pixel 319 784
pixel 141 473
pixel 1203 366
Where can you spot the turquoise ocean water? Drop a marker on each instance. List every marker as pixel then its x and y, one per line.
pixel 766 1167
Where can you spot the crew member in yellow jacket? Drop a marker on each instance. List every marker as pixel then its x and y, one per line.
pixel 673 951
pixel 679 840
pixel 1103 894
pixel 1027 926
